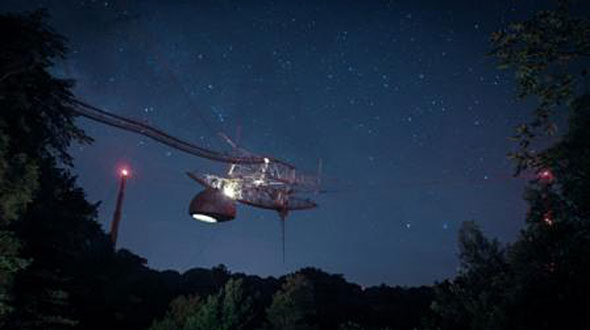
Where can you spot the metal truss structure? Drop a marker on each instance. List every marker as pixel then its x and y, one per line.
pixel 258 181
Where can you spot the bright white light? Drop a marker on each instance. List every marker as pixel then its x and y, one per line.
pixel 124 172
pixel 266 160
pixel 204 218
pixel 230 191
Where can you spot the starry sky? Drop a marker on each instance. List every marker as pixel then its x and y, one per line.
pixel 410 118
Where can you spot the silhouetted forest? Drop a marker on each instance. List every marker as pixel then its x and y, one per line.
pixel 59 270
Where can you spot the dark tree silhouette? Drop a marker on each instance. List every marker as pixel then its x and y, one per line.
pixel 36 126
pixel 471 300
pixel 549 53
pixel 539 281
pixel 293 306
pixel 230 308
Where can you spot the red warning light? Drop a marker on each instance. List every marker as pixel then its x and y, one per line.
pixel 546 175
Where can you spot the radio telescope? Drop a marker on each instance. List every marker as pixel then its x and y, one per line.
pixel 258 181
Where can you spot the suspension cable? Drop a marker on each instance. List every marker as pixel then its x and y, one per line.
pixel 91 112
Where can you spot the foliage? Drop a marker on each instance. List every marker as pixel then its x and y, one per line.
pixel 472 298
pixel 36 107
pixel 230 308
pixel 36 124
pixel 313 299
pixel 350 326
pixel 550 260
pixel 538 281
pixel 18 181
pixel 56 229
pixel 549 53
pixel 293 306
pixel 180 310
pixel 10 263
pixel 568 162
pixel 76 279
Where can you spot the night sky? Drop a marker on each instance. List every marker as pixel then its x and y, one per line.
pixel 398 98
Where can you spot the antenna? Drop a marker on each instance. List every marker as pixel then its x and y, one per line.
pixel 283 217
pixel 124 173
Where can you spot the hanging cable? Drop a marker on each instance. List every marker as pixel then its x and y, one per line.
pixel 105 117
